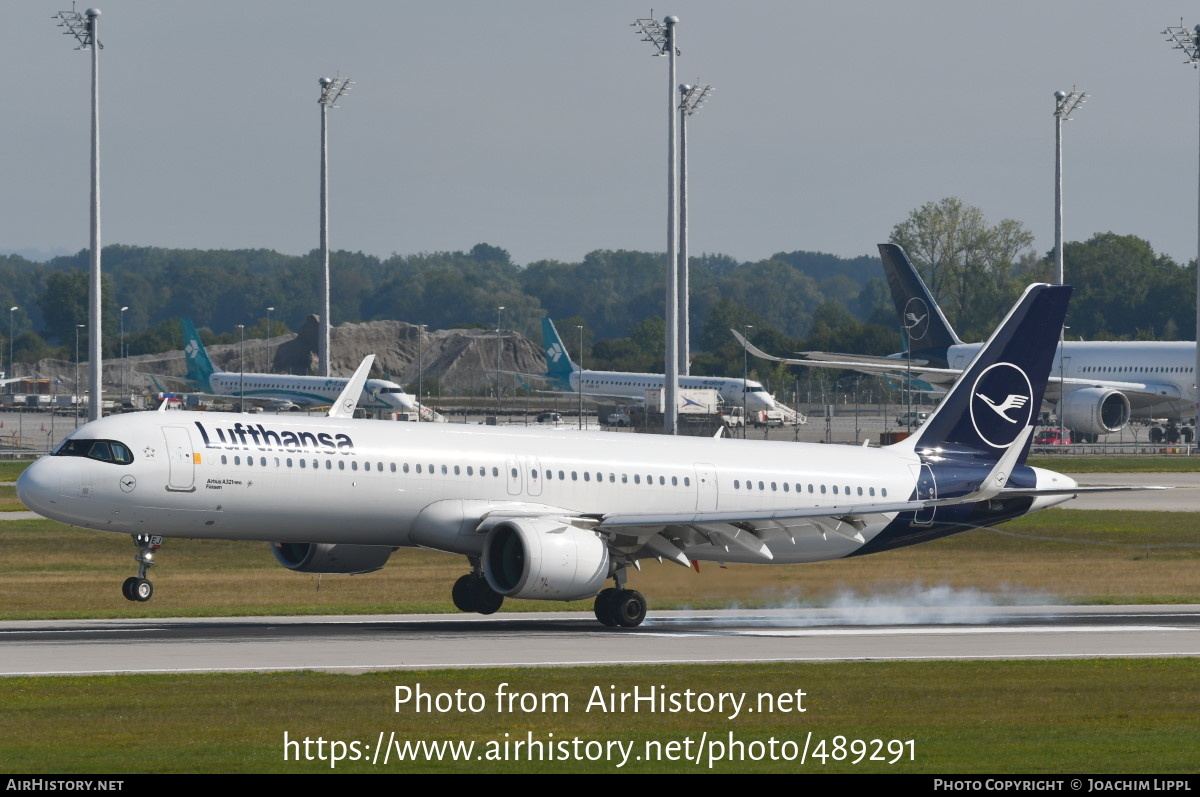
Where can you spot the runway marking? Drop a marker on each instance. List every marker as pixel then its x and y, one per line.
pixel 595 662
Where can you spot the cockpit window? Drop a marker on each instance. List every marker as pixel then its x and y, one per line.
pixel 102 450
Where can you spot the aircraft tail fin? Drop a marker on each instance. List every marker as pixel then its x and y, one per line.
pixel 199 366
pixel 998 396
pixel 926 329
pixel 558 363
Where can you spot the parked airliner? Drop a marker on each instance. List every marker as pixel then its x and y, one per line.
pixel 283 391
pixel 564 374
pixel 1095 386
pixel 554 515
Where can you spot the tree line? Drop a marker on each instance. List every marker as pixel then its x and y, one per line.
pixel 789 302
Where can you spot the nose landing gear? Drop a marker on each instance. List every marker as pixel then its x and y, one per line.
pixel 138 588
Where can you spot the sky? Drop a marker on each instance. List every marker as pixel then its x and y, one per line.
pixel 541 127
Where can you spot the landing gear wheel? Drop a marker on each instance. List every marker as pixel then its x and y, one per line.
pixel 462 594
pixel 605 612
pixel 485 599
pixel 1156 435
pixel 629 607
pixel 141 589
pixel 128 586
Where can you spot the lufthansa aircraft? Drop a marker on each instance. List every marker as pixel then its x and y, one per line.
pixel 554 516
pixel 1095 386
pixel 283 391
pixel 566 375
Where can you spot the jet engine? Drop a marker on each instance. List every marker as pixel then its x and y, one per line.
pixel 1094 410
pixel 544 558
pixel 308 557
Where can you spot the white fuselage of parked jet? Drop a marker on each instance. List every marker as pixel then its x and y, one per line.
pixel 1158 377
pixel 633 386
pixel 308 391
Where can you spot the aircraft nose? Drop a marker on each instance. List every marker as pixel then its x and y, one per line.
pixel 37 487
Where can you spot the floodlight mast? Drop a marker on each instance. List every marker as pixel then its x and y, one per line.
pixel 1189 42
pixel 662 36
pixel 1064 104
pixel 85 28
pixel 690 100
pixel 331 89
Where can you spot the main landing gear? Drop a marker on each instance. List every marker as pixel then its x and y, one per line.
pixel 619 606
pixel 472 592
pixel 138 588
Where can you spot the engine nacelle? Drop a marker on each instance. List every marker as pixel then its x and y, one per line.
pixel 1094 410
pixel 544 558
pixel 308 557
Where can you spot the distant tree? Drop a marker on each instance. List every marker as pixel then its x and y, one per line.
pixel 968 265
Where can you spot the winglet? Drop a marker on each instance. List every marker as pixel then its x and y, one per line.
pixel 347 402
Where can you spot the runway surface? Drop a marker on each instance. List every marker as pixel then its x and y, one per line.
pixel 361 643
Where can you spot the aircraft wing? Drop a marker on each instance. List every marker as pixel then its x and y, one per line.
pixel 870 364
pixel 1140 394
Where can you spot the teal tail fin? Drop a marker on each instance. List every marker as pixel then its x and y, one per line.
pixel 558 363
pixel 199 367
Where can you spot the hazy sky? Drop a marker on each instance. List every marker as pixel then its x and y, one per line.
pixel 540 126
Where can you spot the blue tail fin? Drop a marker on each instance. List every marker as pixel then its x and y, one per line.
pixel 927 332
pixel 999 394
pixel 199 367
pixel 558 363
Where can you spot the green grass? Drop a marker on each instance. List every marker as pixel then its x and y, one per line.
pixel 9 471
pixel 1094 716
pixel 1146 464
pixel 1056 556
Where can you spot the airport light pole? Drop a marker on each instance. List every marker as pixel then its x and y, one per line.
pixel 12 368
pixel 745 373
pixel 499 313
pixel 420 370
pixel 75 398
pixel 331 89
pixel 690 100
pixel 662 36
pixel 242 368
pixel 1189 41
pixel 85 31
pixel 122 353
pixel 580 328
pixel 1064 104
pixel 267 354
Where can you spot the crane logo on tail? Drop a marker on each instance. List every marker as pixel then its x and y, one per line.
pixel 1001 404
pixel 916 318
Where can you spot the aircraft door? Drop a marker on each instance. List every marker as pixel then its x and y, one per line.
pixel 706 486
pixel 181 460
pixel 926 490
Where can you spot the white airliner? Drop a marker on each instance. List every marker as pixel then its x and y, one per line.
pixel 554 516
pixel 286 391
pixel 631 386
pixel 1096 386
